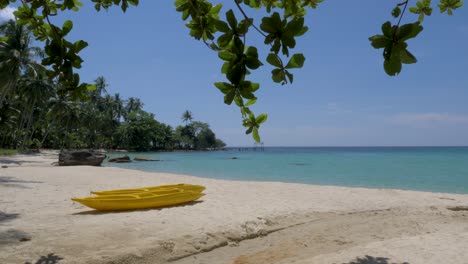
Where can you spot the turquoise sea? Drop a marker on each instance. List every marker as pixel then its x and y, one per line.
pixel 435 169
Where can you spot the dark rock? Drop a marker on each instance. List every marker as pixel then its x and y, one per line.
pixel 120 159
pixel 145 159
pixel 234 158
pixel 4 166
pixel 458 208
pixel 81 157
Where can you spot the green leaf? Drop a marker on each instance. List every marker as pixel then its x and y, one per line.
pixel 393 66
pixel 458 4
pixel 277 75
pixel 215 9
pixel 271 24
pixel 290 76
pixel 408 31
pixel 252 61
pixel 67 26
pixel 224 39
pixel 295 25
pixel 254 86
pixel 427 11
pixel 238 100
pixel 244 25
pixel 226 55
pixel 224 87
pixel 296 61
pixel 421 17
pixel 387 29
pixel 396 11
pixel 91 87
pixel 261 119
pixel 251 102
pixel 79 45
pixel 225 67
pixel 221 25
pixel 229 97
pixel 252 52
pixel 406 57
pixel 236 73
pixel 231 18
pixel 379 41
pixel 274 60
pixel 414 10
pixel 255 135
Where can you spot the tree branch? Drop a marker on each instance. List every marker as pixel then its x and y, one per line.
pixel 403 12
pixel 247 17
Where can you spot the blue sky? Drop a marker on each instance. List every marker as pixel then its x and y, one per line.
pixel 341 97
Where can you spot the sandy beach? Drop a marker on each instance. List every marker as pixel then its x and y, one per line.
pixel 235 222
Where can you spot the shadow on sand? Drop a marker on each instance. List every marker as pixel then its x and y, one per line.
pixel 96 212
pixel 12 236
pixel 8 236
pixel 372 260
pixel 6 161
pixel 7 217
pixel 13 182
pixel 49 259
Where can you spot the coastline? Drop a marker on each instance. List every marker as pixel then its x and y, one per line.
pixel 229 223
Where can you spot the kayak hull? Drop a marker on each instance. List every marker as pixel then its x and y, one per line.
pixel 154 189
pixel 144 200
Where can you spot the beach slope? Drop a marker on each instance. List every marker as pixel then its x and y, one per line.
pixel 235 222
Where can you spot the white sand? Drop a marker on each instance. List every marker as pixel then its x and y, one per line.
pixel 305 223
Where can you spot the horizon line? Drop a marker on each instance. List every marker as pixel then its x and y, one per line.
pixel 353 146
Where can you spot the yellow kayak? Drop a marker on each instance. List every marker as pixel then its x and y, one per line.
pixel 142 200
pixel 154 189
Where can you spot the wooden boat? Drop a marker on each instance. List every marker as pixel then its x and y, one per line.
pixel 142 200
pixel 155 189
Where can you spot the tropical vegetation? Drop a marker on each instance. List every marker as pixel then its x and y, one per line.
pixel 34 113
pixel 281 26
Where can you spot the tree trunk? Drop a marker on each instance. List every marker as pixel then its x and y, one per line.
pixel 28 134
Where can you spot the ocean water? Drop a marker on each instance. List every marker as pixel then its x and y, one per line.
pixel 435 169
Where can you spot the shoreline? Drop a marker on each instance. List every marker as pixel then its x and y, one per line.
pixel 235 220
pixel 292 183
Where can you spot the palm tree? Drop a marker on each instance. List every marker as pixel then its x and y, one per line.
pixel 133 104
pixel 62 113
pixel 187 117
pixel 118 104
pixel 16 57
pixel 35 91
pixel 9 116
pixel 101 85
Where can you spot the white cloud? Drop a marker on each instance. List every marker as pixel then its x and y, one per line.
pixel 7 13
pixel 429 119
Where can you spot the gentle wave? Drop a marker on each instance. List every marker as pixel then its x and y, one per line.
pixel 435 169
